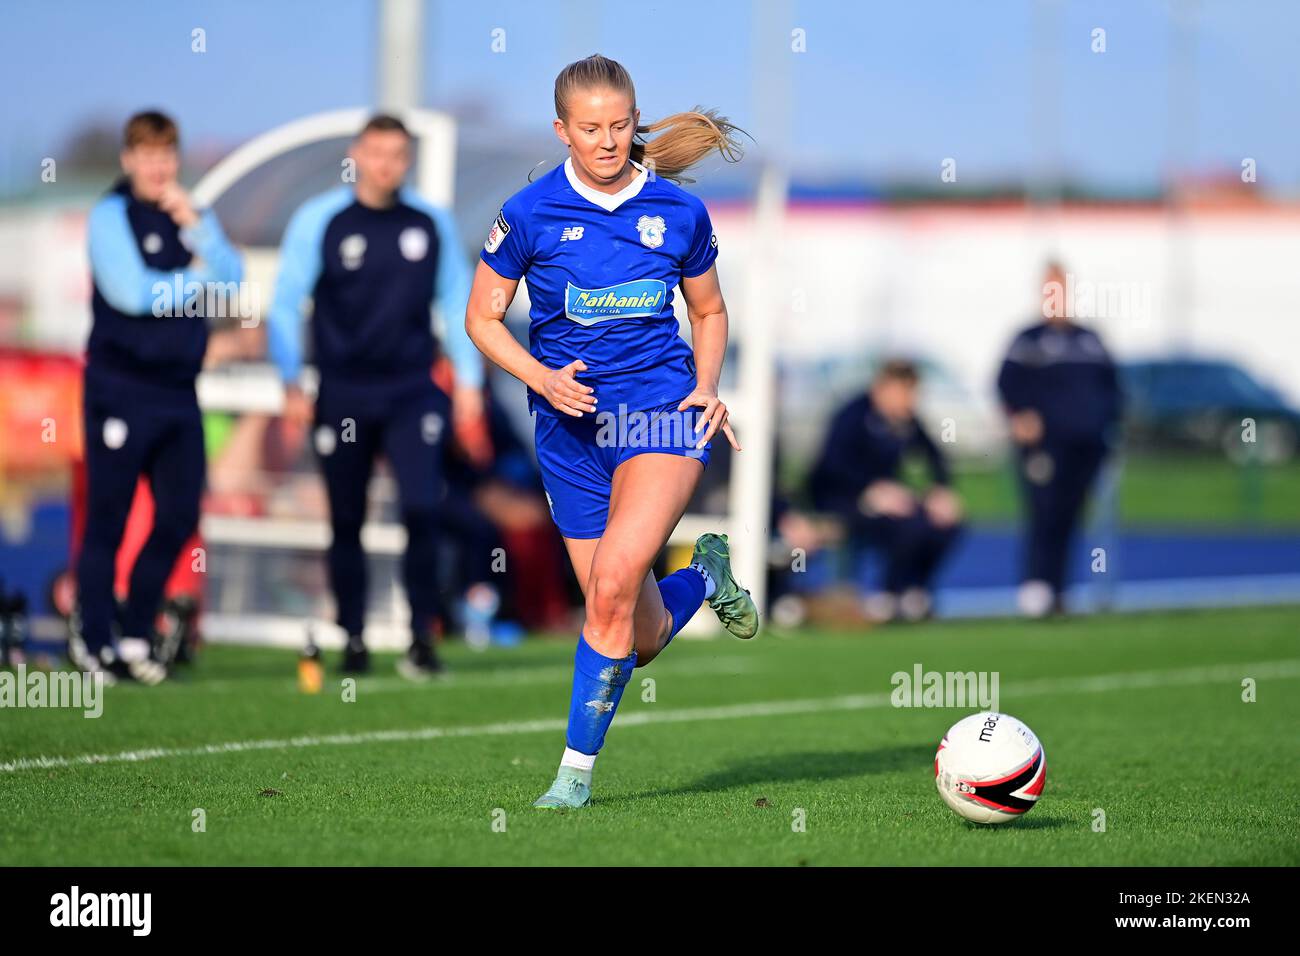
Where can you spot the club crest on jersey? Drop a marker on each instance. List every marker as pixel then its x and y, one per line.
pixel 627 300
pixel 497 234
pixel 651 229
pixel 414 243
pixel 115 432
pixel 326 441
pixel 352 250
pixel 431 428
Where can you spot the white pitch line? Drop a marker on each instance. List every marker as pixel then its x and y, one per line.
pixel 458 680
pixel 1098 683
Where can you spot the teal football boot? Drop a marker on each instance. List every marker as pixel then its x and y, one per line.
pixel 568 792
pixel 732 603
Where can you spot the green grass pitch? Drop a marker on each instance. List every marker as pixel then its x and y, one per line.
pixel 1141 717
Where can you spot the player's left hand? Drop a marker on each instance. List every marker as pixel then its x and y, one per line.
pixel 715 415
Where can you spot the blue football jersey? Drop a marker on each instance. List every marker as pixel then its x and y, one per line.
pixel 601 269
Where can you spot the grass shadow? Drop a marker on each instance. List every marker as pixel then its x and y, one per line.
pixel 810 766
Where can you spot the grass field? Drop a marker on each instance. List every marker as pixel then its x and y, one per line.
pixel 1165 489
pixel 1140 716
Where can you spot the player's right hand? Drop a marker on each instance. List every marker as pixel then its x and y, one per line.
pixel 561 388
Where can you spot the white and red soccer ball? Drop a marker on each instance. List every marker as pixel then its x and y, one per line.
pixel 990 768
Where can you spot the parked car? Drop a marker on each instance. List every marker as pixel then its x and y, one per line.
pixel 1207 404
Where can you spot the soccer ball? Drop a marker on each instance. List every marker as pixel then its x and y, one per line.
pixel 990 768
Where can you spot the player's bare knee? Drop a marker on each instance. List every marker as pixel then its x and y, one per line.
pixel 611 596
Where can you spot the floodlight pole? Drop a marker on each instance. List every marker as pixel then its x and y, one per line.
pixel 400 55
pixel 1180 283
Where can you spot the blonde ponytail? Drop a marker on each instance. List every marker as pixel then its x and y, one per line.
pixel 686 138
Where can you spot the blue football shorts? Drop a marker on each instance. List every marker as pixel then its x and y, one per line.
pixel 578 457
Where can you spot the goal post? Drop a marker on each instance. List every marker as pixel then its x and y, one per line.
pixel 755 401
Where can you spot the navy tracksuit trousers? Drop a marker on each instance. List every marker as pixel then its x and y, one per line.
pixel 133 429
pixel 405 420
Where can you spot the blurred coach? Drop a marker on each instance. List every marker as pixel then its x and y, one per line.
pixel 1062 398
pixel 150 330
pixel 373 258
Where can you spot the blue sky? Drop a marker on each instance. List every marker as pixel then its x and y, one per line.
pixel 885 89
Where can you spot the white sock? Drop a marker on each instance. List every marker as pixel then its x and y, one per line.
pixel 709 585
pixel 582 763
pixel 133 649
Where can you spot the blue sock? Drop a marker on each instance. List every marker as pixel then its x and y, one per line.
pixel 598 683
pixel 683 593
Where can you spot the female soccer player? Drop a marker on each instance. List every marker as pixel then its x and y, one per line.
pixel 603 239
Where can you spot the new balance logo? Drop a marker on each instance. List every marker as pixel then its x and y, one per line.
pixel 571 232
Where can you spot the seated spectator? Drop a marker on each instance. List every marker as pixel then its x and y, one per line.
pixel 858 478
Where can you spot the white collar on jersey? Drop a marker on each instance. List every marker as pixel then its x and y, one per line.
pixel 606 201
